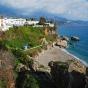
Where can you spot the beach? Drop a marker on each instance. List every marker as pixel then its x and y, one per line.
pixel 53 54
pixel 75 57
pixel 60 54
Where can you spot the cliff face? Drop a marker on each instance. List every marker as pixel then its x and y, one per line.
pixel 65 76
pixel 6 69
pixel 60 74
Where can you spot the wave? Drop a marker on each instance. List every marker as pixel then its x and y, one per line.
pixel 82 61
pixel 83 50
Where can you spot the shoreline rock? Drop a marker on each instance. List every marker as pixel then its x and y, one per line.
pixel 63 78
pixel 62 43
pixel 75 38
pixel 65 38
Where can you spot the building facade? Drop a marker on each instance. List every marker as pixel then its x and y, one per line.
pixel 6 23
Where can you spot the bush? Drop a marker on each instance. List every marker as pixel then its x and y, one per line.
pixel 22 58
pixel 26 80
pixel 21 36
pixel 3 83
pixel 30 82
pixel 32 52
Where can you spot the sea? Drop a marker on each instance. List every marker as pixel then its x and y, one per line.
pixel 78 49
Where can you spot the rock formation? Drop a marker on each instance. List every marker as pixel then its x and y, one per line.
pixel 75 38
pixel 60 75
pixel 65 75
pixel 62 43
pixel 6 69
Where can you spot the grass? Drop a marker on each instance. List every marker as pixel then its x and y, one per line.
pixel 33 52
pixel 21 36
pixel 17 37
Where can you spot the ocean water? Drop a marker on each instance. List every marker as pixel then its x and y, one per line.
pixel 79 49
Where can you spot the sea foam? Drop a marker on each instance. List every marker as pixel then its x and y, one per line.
pixel 75 57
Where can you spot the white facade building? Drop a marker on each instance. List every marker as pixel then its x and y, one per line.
pixel 1 23
pixel 6 23
pixel 32 22
pixel 50 24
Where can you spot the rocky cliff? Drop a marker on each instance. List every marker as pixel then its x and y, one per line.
pixel 65 75
pixel 6 69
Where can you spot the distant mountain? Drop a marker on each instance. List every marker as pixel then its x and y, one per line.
pixel 6 11
pixel 77 23
pixel 10 12
pixel 49 16
pixel 57 18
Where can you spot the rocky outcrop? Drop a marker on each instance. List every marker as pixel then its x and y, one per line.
pixel 62 43
pixel 67 75
pixel 65 38
pixel 6 69
pixel 75 38
pixel 77 66
pixel 60 75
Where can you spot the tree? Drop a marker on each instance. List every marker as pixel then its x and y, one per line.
pixel 42 21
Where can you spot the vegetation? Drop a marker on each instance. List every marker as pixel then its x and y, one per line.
pixel 51 38
pixel 14 40
pixel 26 80
pixel 2 83
pixel 17 38
pixel 21 36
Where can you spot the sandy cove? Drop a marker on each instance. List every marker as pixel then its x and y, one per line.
pixel 58 54
pixel 52 54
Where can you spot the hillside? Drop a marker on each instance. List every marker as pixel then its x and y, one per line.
pixel 12 45
pixel 20 36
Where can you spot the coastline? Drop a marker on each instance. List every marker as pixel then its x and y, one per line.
pixel 75 57
pixel 60 54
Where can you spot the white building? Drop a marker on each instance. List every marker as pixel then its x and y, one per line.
pixel 15 22
pixel 46 24
pixel 1 23
pixel 30 22
pixel 50 24
pixel 6 23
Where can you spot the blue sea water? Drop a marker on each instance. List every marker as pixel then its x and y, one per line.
pixel 79 49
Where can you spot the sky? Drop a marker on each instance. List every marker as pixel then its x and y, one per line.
pixel 70 9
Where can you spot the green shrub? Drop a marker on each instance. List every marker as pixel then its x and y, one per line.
pixel 30 82
pixel 3 83
pixel 32 52
pixel 21 36
pixel 26 80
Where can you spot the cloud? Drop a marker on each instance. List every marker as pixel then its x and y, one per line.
pixel 73 9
